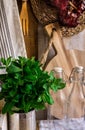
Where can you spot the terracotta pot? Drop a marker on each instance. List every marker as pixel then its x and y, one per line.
pixel 22 121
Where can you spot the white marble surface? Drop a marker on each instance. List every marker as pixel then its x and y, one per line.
pixel 75 124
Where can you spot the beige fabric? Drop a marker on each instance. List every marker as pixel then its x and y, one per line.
pixel 67 59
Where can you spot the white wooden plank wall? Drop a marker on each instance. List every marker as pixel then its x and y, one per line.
pixel 11 39
pixel 6 48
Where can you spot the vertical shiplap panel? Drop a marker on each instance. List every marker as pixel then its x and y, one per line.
pixel 5 40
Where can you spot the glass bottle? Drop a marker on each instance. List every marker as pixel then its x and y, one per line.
pixel 58 109
pixel 75 102
pixel 60 95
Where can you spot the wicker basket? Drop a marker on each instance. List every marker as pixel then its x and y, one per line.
pixel 47 14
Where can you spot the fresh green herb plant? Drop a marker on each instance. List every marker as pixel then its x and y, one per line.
pixel 25 86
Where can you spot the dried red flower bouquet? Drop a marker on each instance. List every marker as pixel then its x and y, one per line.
pixel 69 11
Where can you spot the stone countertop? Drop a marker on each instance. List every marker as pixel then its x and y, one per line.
pixel 74 124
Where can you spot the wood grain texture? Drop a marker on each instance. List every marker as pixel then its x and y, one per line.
pixel 67 59
pixel 30 29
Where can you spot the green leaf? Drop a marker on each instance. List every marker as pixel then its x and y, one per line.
pixel 13 69
pixel 26 69
pixel 39 98
pixel 20 82
pixel 47 98
pixel 40 106
pixel 28 87
pixel 51 76
pixel 5 86
pixel 12 92
pixel 17 76
pixel 7 107
pixel 22 61
pixel 3 60
pixel 8 61
pixel 61 86
pixel 16 98
pixel 54 87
